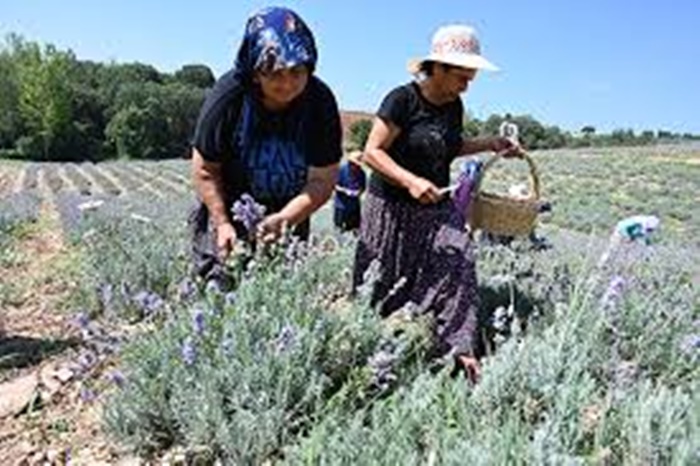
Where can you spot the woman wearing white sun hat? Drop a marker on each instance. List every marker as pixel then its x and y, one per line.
pixel 409 225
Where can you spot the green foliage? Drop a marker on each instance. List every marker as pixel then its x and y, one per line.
pixel 199 76
pixel 44 94
pixel 10 121
pixel 281 371
pixel 153 120
pixel 247 373
pixel 139 132
pixel 577 387
pixel 130 250
pixel 55 107
pixel 532 134
pixel 472 127
pixel 359 132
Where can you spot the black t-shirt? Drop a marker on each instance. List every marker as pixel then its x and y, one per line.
pixel 430 137
pixel 264 153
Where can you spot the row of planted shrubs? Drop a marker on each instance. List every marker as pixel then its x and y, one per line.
pixel 288 369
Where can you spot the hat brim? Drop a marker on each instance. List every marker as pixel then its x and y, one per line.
pixel 476 62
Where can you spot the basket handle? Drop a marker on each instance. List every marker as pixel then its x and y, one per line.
pixel 534 176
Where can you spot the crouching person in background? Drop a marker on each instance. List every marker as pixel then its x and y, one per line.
pixel 347 205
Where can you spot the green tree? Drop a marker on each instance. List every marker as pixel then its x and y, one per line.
pixel 359 132
pixel 44 93
pixel 647 137
pixel 554 138
pixel 588 130
pixel 139 132
pixel 472 127
pixel 195 75
pixel 178 103
pixel 10 120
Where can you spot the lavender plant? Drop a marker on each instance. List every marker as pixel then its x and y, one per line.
pixel 572 389
pixel 248 374
pixel 134 257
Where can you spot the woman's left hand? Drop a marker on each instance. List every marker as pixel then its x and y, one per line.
pixel 271 228
pixel 507 146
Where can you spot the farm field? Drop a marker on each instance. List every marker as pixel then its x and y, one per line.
pixel 109 352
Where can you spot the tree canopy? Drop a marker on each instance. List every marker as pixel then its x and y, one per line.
pixel 54 106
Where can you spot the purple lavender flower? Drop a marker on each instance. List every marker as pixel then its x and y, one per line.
pixel 188 352
pixel 691 345
pixel 87 360
pixel 615 288
pixel 117 378
pixel 248 212
pixel 148 302
pixel 186 289
pixel 82 320
pixel 213 288
pixel 87 395
pixel 230 299
pixel 286 339
pixel 198 321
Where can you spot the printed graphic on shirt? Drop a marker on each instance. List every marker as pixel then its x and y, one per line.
pixel 276 168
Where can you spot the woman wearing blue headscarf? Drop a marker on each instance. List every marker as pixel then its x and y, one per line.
pixel 269 128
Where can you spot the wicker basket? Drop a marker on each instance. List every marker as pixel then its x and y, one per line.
pixel 503 215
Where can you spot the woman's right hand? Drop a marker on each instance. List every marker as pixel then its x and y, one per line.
pixel 424 191
pixel 225 240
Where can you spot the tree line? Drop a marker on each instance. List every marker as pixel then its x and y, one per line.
pixel 534 135
pixel 54 106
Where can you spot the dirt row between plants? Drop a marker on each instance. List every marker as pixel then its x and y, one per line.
pixel 44 417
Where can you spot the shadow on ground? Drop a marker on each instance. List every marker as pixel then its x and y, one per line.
pixel 17 352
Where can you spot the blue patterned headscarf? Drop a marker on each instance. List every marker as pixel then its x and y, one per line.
pixel 275 38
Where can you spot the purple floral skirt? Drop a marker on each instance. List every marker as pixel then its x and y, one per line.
pixel 422 255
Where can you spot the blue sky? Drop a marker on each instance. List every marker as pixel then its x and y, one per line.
pixel 612 64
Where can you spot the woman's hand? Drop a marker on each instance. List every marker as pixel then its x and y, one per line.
pixel 424 191
pixel 225 240
pixel 471 367
pixel 509 147
pixel 271 228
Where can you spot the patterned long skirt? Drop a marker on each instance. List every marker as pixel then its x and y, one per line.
pixel 423 255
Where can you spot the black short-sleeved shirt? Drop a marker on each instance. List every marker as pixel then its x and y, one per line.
pixel 430 137
pixel 264 153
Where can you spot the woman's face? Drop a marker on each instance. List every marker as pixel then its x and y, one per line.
pixel 281 87
pixel 454 80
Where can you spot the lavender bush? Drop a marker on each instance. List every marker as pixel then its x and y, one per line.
pixel 248 374
pixel 609 376
pixel 134 256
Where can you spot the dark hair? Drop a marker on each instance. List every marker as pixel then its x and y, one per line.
pixel 427 67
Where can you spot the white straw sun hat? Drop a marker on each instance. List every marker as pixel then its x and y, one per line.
pixel 455 45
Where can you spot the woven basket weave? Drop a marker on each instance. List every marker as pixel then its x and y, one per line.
pixel 503 215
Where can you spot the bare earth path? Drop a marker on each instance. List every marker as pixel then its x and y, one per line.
pixel 43 418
